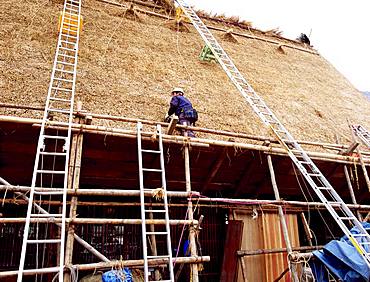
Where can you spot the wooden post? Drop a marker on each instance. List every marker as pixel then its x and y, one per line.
pixel 192 232
pixel 244 269
pixel 360 159
pixel 292 267
pixel 153 244
pixel 306 228
pixel 351 192
pixel 73 183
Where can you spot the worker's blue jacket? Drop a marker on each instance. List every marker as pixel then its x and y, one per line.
pixel 178 105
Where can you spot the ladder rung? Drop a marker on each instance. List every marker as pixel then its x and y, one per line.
pixel 155 211
pixel 334 203
pixel 314 174
pixel 60 99
pixel 364 243
pixel 48 193
pixel 157 233
pixel 68 49
pixel 347 218
pixel 66 71
pixel 158 257
pixel 59 111
pixel 71 8
pixel 53 153
pixel 62 89
pixel 325 188
pixel 68 35
pixel 360 235
pixel 51 171
pixel 68 42
pixel 66 56
pixel 63 79
pixel 46 215
pixel 42 241
pixel 305 162
pixel 72 4
pixel 69 24
pixel 151 151
pixel 55 137
pixel 65 63
pixel 152 169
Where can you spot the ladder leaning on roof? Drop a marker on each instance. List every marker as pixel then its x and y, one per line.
pixel 362 133
pixel 52 155
pixel 160 213
pixel 306 166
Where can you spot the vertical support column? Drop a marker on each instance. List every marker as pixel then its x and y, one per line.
pixel 292 267
pixel 361 160
pixel 73 183
pixel 153 244
pixel 192 232
pixel 351 192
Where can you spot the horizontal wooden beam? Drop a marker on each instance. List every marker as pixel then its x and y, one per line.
pixel 115 221
pixel 109 265
pixel 183 140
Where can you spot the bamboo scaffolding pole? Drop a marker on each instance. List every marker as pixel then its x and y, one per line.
pixel 194 128
pixel 114 221
pixel 272 204
pixel 100 192
pixel 193 141
pixel 243 253
pixel 241 206
pixel 192 232
pixel 306 228
pixel 153 244
pixel 109 265
pixel 284 226
pixel 366 176
pixel 74 179
pixel 351 192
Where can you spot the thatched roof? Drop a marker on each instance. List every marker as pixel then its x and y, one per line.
pixel 128 68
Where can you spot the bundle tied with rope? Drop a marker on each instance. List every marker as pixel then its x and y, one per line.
pixel 158 193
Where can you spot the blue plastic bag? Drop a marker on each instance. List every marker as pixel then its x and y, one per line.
pixel 123 275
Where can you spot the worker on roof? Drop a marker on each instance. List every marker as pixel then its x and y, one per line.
pixel 182 107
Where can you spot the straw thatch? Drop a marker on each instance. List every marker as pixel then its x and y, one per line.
pixel 128 68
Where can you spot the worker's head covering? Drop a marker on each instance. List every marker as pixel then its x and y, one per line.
pixel 179 90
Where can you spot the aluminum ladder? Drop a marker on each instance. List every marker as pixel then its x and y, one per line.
pixel 327 194
pixel 50 173
pixel 159 213
pixel 362 133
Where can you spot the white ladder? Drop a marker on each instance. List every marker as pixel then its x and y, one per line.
pixel 160 213
pixel 343 216
pixel 52 156
pixel 362 133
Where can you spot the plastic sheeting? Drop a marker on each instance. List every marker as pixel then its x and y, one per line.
pixel 342 259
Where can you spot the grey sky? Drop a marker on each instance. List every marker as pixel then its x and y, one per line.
pixel 340 29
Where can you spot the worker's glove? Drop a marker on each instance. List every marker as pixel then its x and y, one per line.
pixel 167 118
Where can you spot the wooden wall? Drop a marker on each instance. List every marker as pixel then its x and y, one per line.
pixel 264 232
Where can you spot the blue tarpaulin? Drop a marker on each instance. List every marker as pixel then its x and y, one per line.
pixel 342 259
pixel 123 275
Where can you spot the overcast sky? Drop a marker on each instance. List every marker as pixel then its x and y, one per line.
pixel 340 29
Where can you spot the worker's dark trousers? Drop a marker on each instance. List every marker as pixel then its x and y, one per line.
pixel 188 133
